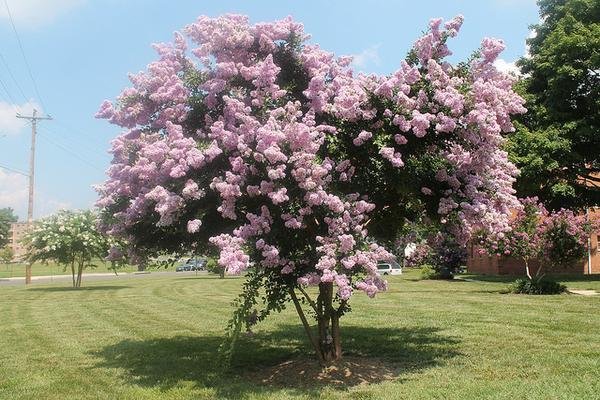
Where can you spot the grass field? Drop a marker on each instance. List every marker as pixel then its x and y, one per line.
pixel 157 338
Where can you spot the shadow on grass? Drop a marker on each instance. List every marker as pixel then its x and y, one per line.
pixel 81 289
pixel 268 362
pixel 209 277
pixel 512 278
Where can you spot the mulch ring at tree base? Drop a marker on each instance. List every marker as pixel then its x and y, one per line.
pixel 348 372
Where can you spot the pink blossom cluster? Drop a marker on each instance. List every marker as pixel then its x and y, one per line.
pixel 237 120
pixel 565 236
pixel 422 254
pixel 558 237
pixel 469 125
pixel 522 240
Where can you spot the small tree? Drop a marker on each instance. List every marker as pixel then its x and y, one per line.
pixel 6 254
pixel 431 244
pixel 7 217
pixel 522 240
pixel 564 237
pixel 555 239
pixel 69 238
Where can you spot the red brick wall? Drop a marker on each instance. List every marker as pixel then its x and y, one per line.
pixel 514 266
pixel 595 249
pixel 481 263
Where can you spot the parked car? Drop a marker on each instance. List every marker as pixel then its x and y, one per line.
pixel 192 264
pixel 389 268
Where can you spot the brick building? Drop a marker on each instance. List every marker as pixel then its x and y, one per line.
pixel 494 265
pixel 16 234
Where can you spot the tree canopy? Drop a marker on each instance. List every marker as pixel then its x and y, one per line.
pixel 299 170
pixel 557 144
pixel 7 217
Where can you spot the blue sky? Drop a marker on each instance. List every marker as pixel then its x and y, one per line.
pixel 80 52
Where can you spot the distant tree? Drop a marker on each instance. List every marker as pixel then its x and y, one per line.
pixel 557 144
pixel 6 254
pixel 557 239
pixel 7 217
pixel 523 239
pixel 441 252
pixel 564 237
pixel 71 239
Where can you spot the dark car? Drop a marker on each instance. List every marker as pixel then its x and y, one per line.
pixel 192 264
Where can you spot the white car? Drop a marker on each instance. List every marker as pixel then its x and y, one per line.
pixel 389 268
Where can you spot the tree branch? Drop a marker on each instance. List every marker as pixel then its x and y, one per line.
pixel 312 339
pixel 307 297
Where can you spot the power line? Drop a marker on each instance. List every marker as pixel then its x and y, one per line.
pixel 77 141
pixel 81 133
pixel 74 154
pixel 89 152
pixel 13 170
pixel 12 100
pixel 37 92
pixel 12 77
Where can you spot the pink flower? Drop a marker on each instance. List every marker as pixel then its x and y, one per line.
pixel 193 225
pixel 362 137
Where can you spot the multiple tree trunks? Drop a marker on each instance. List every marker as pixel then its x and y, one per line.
pixel 327 343
pixel 77 278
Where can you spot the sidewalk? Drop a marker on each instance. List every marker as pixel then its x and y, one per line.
pixel 63 276
pixel 96 276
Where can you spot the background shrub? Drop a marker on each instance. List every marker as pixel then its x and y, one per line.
pixel 536 286
pixel 429 271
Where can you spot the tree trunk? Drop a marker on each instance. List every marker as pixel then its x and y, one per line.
pixel 73 272
pixel 527 271
pixel 328 320
pixel 306 326
pixel 79 273
pixel 327 343
pixel 222 273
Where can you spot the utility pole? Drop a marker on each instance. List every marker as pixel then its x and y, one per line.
pixel 33 119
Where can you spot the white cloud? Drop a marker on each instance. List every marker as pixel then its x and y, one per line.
pixel 9 123
pixel 532 34
pixel 14 193
pixel 367 57
pixel 506 67
pixel 33 13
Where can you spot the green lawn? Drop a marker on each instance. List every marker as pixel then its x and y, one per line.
pixel 18 269
pixel 157 337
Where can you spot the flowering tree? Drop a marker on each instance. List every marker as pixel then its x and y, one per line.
pixel 564 237
pixel 523 239
pixel 556 239
pixel 69 238
pixel 432 245
pixel 277 153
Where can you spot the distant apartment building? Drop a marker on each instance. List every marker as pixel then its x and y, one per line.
pixel 16 234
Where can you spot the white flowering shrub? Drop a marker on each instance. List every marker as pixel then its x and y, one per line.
pixel 69 238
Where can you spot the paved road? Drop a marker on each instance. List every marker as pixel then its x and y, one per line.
pixel 36 280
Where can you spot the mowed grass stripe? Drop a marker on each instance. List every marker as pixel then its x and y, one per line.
pixel 156 337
